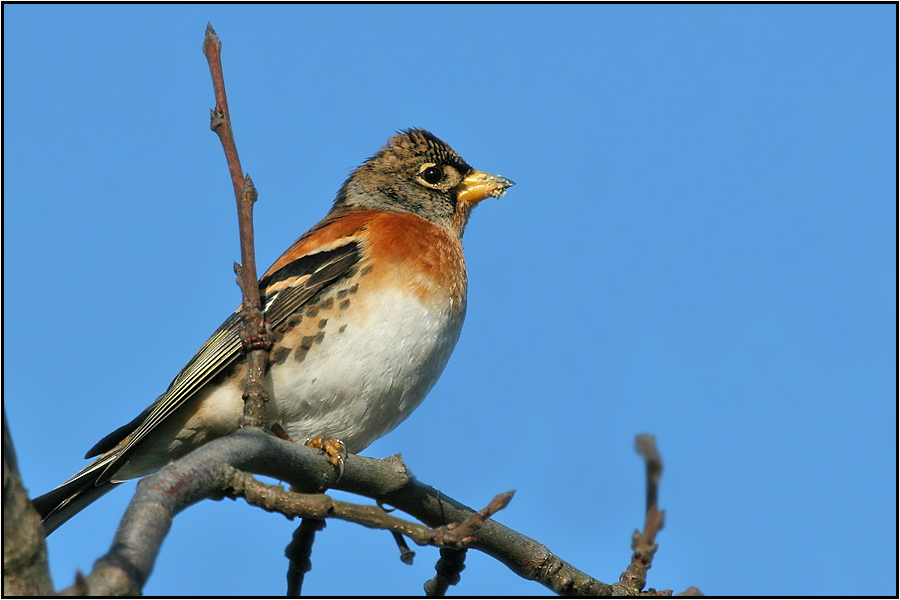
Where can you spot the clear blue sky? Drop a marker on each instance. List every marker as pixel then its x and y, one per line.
pixel 700 244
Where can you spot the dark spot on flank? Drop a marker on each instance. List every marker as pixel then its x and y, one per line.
pixel 295 320
pixel 320 336
pixel 322 323
pixel 365 271
pixel 354 288
pixel 344 304
pixel 341 330
pixel 312 312
pixel 326 304
pixel 341 294
pixel 230 372
pixel 307 342
pixel 280 354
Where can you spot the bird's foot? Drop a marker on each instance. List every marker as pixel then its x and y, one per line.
pixel 334 448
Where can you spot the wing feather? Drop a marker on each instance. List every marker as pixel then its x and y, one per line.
pixel 302 279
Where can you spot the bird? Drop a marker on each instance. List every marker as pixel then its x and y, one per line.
pixel 364 309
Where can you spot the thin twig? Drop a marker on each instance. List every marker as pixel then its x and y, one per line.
pixel 254 338
pixel 644 543
pixel 298 553
pixel 460 535
pixel 220 116
pixel 274 498
pixel 653 523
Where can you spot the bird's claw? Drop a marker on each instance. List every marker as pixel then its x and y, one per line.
pixel 334 448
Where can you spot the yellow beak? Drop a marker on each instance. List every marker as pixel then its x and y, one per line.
pixel 478 185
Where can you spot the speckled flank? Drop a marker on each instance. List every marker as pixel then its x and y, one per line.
pixel 381 354
pixel 300 354
pixel 420 268
pixel 279 354
pixel 433 271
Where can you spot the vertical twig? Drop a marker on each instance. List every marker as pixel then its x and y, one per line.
pixel 253 334
pixel 298 553
pixel 220 116
pixel 644 543
pixel 645 444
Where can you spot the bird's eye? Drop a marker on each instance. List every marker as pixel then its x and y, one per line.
pixel 432 175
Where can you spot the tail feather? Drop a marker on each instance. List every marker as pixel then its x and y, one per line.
pixel 61 504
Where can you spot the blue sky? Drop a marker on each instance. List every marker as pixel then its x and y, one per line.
pixel 700 244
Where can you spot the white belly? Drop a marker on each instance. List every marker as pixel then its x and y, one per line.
pixel 373 367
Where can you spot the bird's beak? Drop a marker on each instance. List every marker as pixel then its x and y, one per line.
pixel 477 186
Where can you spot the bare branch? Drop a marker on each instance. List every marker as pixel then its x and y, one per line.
pixel 25 569
pixel 460 535
pixel 209 472
pixel 644 544
pixel 220 121
pixel 274 498
pixel 254 337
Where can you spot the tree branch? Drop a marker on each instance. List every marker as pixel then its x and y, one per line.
pixel 210 472
pixel 644 543
pixel 254 337
pixel 25 570
pixel 220 117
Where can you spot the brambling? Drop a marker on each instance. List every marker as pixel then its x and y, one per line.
pixel 365 309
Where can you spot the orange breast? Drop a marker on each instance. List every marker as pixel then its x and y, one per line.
pixel 399 249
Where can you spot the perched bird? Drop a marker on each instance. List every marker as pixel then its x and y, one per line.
pixel 365 309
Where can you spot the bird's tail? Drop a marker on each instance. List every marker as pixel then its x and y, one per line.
pixel 61 504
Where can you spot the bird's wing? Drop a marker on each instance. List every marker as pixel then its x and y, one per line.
pixel 284 292
pixel 325 254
